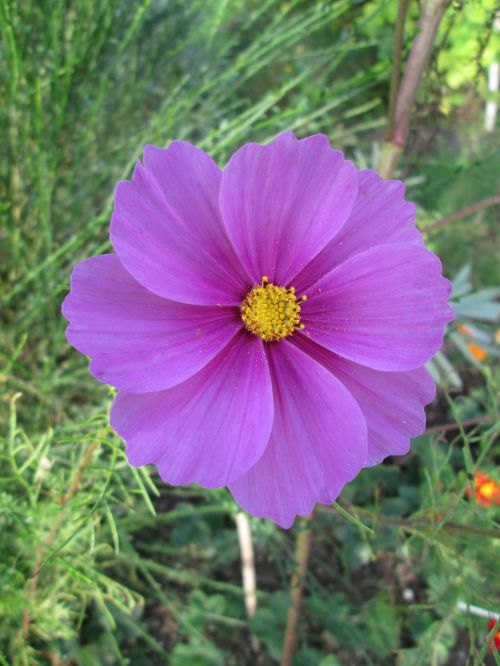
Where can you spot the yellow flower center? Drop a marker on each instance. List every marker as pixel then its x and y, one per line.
pixel 488 489
pixel 271 312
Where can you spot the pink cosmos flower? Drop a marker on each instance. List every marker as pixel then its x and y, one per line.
pixel 226 374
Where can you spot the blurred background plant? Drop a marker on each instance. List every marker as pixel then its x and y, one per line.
pixel 101 564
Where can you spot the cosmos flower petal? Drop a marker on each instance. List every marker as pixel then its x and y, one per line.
pixel 318 442
pixel 281 203
pixel 392 402
pixel 385 308
pixel 209 430
pixel 380 215
pixel 138 341
pixel 167 230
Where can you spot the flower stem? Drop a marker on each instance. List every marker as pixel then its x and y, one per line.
pixel 302 550
pixel 247 568
pixel 420 54
pixel 396 64
pixel 247 562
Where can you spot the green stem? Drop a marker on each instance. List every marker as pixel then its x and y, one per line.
pixel 302 550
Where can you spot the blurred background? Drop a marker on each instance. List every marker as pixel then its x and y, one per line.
pixel 102 564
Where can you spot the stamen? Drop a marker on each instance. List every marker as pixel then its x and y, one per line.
pixel 272 312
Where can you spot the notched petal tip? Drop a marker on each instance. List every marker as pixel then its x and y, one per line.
pixel 385 308
pixel 282 202
pixel 167 231
pixel 139 342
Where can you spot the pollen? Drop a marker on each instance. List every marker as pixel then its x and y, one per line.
pixel 271 312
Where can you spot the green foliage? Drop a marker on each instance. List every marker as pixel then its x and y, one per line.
pixel 99 564
pixel 269 622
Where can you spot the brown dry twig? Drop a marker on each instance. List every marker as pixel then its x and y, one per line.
pixel 413 524
pixel 464 212
pixel 447 427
